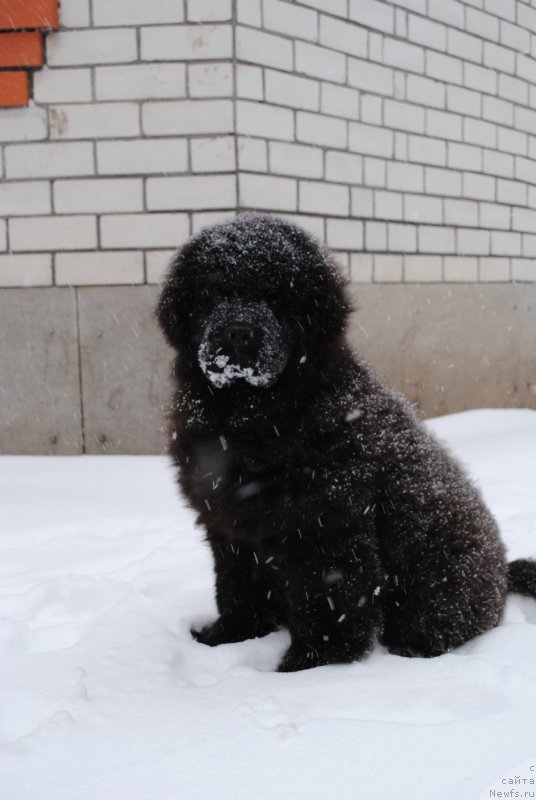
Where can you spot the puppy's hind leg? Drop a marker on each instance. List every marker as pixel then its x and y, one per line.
pixel 246 595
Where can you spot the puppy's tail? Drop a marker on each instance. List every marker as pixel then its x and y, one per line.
pixel 522 577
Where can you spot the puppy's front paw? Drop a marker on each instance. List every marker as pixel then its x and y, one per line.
pixel 297 658
pixel 225 630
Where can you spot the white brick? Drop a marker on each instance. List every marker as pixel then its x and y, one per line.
pixel 189 42
pixel 528 245
pixel 27 197
pixel 497 110
pixel 362 202
pixel 480 78
pixel 49 160
pixel 445 68
pixel 343 36
pixel 343 167
pixel 425 91
pixel 464 101
pixel 499 58
pixel 375 172
pixel 494 269
pixel 464 156
pixel 212 79
pixel 523 219
pixel 499 164
pixel 402 238
pixel 401 146
pixel 189 192
pixel 482 24
pixel 430 34
pixel 30 269
pixel 426 150
pixel 53 233
pixel 419 208
pixel 344 234
pixel 512 141
pixel 70 48
pixel 23 124
pixel 436 239
pixel 62 85
pixel 249 82
pixel 513 89
pixel 203 218
pixel 463 45
pixel 478 187
pixel 405 177
pixel 388 205
pixel 373 14
pixel 136 12
pixel 376 236
pixel 3 235
pixel 142 156
pixel 289 19
pixel 493 215
pixel 460 270
pixel 523 269
pixel 249 12
pixel 388 268
pixel 370 140
pixel 443 124
pixel 187 116
pixel 94 120
pixel 526 68
pixel 86 269
pixel 370 77
pixel 291 90
pixel 323 130
pixel 412 5
pixel 319 62
pixel 263 48
pixel 512 192
pixel 404 56
pixel 476 131
pixel 525 119
pixel 209 11
pixel 127 231
pixel 267 192
pixel 317 197
pixel 252 154
pixel 473 242
pixel 140 81
pixel 421 269
pixel 216 154
pixel 505 244
pixel 361 267
pixel 315 225
pixel 296 160
pixel 461 212
pixel 501 9
pixel 403 116
pixel 515 37
pixel 526 17
pixel 157 263
pixel 371 109
pixel 256 119
pixel 75 14
pixel 98 195
pixel 340 101
pixel 453 13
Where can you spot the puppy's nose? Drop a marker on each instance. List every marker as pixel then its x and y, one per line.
pixel 242 337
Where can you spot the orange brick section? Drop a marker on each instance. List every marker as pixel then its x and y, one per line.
pixel 21 50
pixel 17 14
pixel 14 89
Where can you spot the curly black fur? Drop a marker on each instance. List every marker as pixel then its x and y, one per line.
pixel 328 507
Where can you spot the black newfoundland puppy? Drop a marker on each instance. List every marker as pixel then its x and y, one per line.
pixel 329 509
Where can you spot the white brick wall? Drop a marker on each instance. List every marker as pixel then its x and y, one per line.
pixel 402 132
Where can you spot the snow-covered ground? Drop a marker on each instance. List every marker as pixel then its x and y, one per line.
pixel 106 695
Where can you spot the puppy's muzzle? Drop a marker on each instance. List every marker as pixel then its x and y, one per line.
pixel 242 340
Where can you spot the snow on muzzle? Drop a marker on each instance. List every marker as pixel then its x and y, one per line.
pixel 243 341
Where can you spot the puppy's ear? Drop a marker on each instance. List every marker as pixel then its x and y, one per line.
pixel 169 311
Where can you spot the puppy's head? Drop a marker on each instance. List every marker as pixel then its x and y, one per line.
pixel 248 299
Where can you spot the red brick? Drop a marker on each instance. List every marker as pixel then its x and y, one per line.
pixel 14 89
pixel 21 50
pixel 20 14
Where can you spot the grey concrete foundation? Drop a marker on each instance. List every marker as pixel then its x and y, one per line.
pixel 86 370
